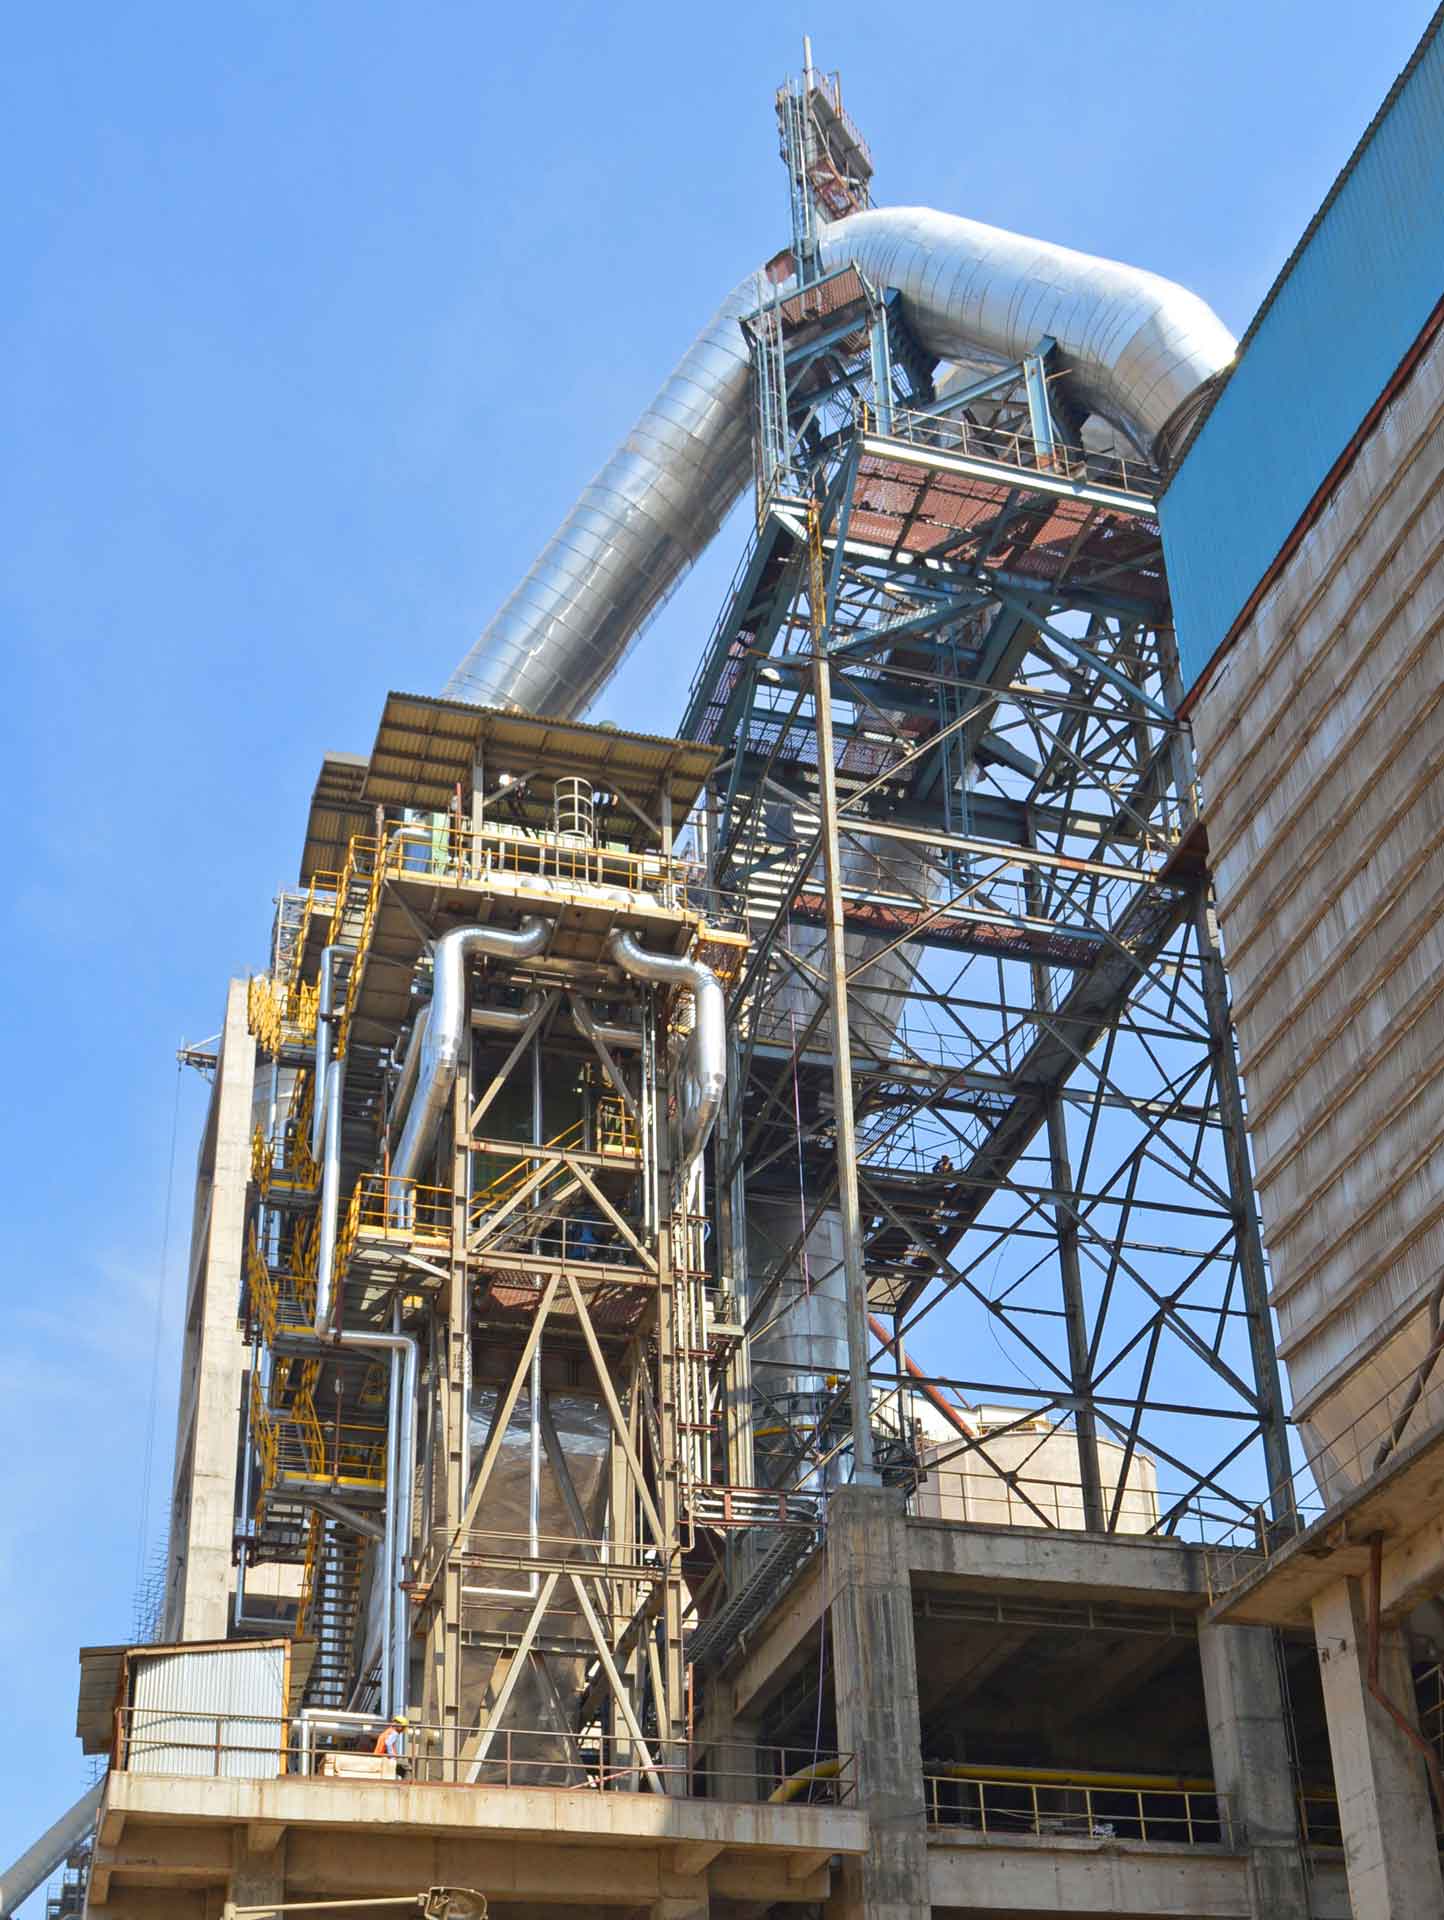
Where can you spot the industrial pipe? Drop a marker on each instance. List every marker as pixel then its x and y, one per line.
pixel 1137 349
pixel 704 1073
pixel 44 1855
pixel 325 1008
pixel 397 1509
pixel 411 1059
pixel 330 1196
pixel 447 1025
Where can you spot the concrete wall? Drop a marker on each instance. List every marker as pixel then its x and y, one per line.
pixel 213 1356
pixel 1321 750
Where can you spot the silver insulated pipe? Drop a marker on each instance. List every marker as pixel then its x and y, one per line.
pixel 704 1072
pixel 447 1029
pixel 1133 347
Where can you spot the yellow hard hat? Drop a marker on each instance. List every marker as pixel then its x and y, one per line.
pixel 400 1720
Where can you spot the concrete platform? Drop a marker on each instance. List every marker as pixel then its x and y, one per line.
pixel 1026 1877
pixel 161 1835
pixel 1404 1503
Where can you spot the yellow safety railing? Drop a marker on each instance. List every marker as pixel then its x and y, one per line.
pixel 497 1192
pixel 272 1008
pixel 261 1160
pixel 365 865
pixel 264 1292
pixel 263 1432
pixel 305 1244
pixel 617 1131
pixel 1010 1800
pixel 321 897
pixel 386 1208
pixel 309 1568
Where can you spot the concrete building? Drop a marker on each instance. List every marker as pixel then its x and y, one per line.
pixel 728 1325
pixel 1308 588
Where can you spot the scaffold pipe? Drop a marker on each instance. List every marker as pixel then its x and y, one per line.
pixel 704 1076
pixel 1130 346
pixel 446 1028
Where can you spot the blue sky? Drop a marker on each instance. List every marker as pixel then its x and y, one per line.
pixel 317 318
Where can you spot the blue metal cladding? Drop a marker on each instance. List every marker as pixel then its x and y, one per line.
pixel 1350 308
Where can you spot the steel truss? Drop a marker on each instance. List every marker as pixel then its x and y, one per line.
pixel 960 808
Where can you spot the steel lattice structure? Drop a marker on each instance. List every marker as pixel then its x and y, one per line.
pixel 960 808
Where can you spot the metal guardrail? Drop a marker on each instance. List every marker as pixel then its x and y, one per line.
pixel 1396 1419
pixel 976 1801
pixel 233 1745
pixel 954 433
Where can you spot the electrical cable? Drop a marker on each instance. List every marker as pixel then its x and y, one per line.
pixel 148 1457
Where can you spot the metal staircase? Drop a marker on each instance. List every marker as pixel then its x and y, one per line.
pixel 335 1612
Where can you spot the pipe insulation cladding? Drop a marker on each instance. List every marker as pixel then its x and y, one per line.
pixel 1137 349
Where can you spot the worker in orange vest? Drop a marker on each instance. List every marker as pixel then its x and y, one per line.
pixel 391 1741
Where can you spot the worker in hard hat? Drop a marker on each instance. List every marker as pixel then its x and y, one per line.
pixel 391 1741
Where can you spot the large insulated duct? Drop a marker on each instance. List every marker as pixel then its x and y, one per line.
pixel 44 1855
pixel 704 1073
pixel 1135 348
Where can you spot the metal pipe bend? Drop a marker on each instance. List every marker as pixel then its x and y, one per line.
pixel 447 1026
pixel 704 1072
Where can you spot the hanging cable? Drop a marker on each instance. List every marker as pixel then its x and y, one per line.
pixel 148 1455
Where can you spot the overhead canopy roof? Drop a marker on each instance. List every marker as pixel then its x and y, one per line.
pixel 425 747
pixel 337 811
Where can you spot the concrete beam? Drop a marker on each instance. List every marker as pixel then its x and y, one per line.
pixel 263 1835
pixel 695 1856
pixel 1050 1563
pixel 111 1827
pixel 985 1876
pixel 613 1820
pixel 1403 1502
pixel 804 1866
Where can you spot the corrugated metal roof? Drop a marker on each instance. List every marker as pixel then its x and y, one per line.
pixel 337 811
pixel 1341 316
pixel 425 746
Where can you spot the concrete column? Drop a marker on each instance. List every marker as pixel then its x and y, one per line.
pixel 1251 1764
pixel 875 1682
pixel 213 1357
pixel 1390 1849
pixel 730 1742
pixel 258 1867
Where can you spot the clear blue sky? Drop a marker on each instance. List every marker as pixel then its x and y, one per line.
pixel 317 318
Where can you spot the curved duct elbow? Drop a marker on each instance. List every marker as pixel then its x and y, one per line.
pixel 1136 348
pixel 447 1027
pixel 704 1073
pixel 1131 346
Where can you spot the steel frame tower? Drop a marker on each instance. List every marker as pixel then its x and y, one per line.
pixel 985 1020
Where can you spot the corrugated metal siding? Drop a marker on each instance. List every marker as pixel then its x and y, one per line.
pixel 1321 754
pixel 1348 312
pixel 216 1711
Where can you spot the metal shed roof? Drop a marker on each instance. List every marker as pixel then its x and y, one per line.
pixel 424 746
pixel 337 811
